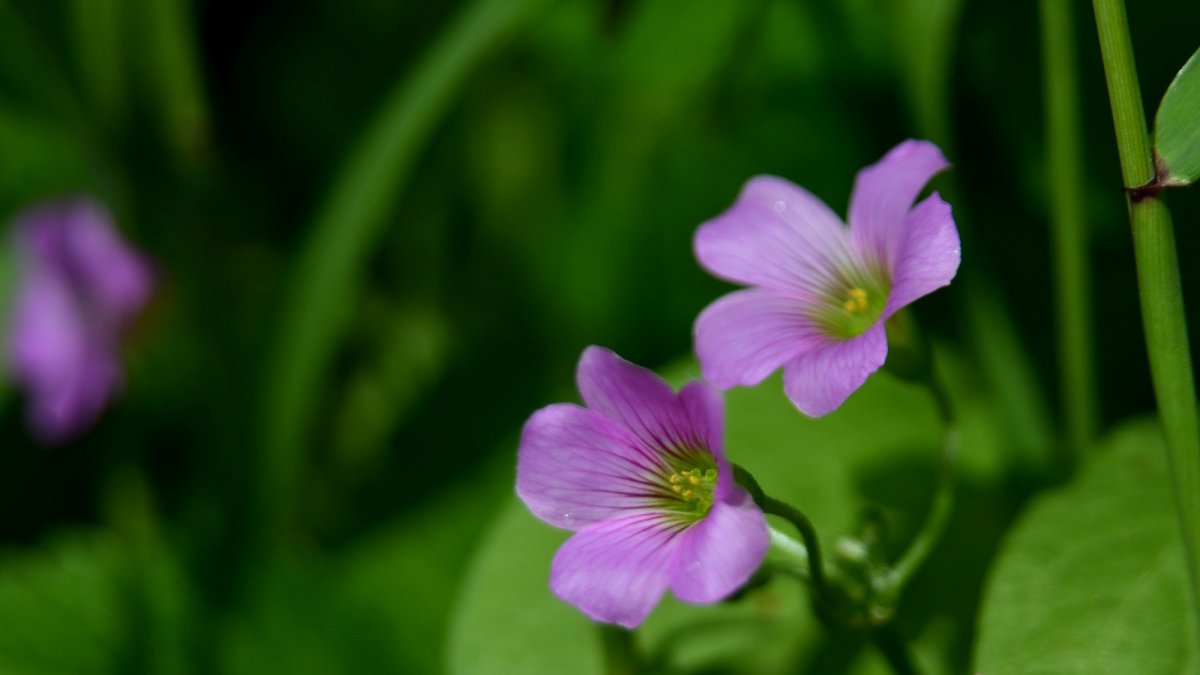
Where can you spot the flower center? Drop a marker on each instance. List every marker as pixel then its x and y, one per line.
pixel 694 489
pixel 852 306
pixel 856 301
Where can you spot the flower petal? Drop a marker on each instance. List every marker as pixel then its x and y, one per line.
pixel 819 381
pixel 634 397
pixel 617 570
pixel 931 255
pixel 68 368
pixel 719 554
pixel 744 336
pixel 576 467
pixel 706 410
pixel 778 236
pixel 118 278
pixel 883 194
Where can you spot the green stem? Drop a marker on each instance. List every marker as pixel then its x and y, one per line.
pixel 1163 316
pixel 808 534
pixel 803 525
pixel 1068 223
pixel 620 656
pixel 943 500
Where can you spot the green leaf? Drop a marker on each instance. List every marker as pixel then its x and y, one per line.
pixel 1091 580
pixel 61 608
pixel 879 449
pixel 1177 125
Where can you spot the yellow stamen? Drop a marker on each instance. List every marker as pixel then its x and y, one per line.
pixel 856 301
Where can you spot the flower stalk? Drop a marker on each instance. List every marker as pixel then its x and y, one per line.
pixel 1163 316
pixel 943 500
pixel 808 533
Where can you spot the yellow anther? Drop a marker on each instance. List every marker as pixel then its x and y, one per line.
pixel 688 494
pixel 676 489
pixel 856 301
pixel 674 478
pixel 693 479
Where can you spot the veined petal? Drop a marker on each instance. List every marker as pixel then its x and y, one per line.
pixel 778 236
pixel 930 257
pixel 635 398
pixel 883 194
pixel 617 570
pixel 745 335
pixel 705 409
pixel 819 381
pixel 576 467
pixel 719 554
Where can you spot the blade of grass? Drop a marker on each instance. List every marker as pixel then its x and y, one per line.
pixel 1067 220
pixel 350 221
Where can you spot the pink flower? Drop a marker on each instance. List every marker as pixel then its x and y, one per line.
pixel 639 474
pixel 821 292
pixel 79 287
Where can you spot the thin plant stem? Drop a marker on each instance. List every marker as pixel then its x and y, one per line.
pixel 620 655
pixel 1163 316
pixel 1064 159
pixel 943 500
pixel 808 533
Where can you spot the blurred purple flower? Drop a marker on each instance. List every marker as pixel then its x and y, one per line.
pixel 79 287
pixel 821 292
pixel 639 474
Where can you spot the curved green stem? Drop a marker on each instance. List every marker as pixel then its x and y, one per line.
pixel 1163 316
pixel 808 533
pixel 943 501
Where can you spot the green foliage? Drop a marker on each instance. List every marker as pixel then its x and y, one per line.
pixel 1177 125
pixel 394 226
pixel 1091 580
pixel 347 226
pixel 879 449
pixel 62 608
pixel 925 32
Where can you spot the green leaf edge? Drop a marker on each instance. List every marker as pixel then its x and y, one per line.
pixel 1189 72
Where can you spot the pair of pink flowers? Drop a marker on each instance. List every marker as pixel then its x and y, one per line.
pixel 640 474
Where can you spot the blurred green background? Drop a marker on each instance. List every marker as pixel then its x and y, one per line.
pixel 386 230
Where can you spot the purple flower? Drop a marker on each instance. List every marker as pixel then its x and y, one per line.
pixel 78 289
pixel 821 292
pixel 639 474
